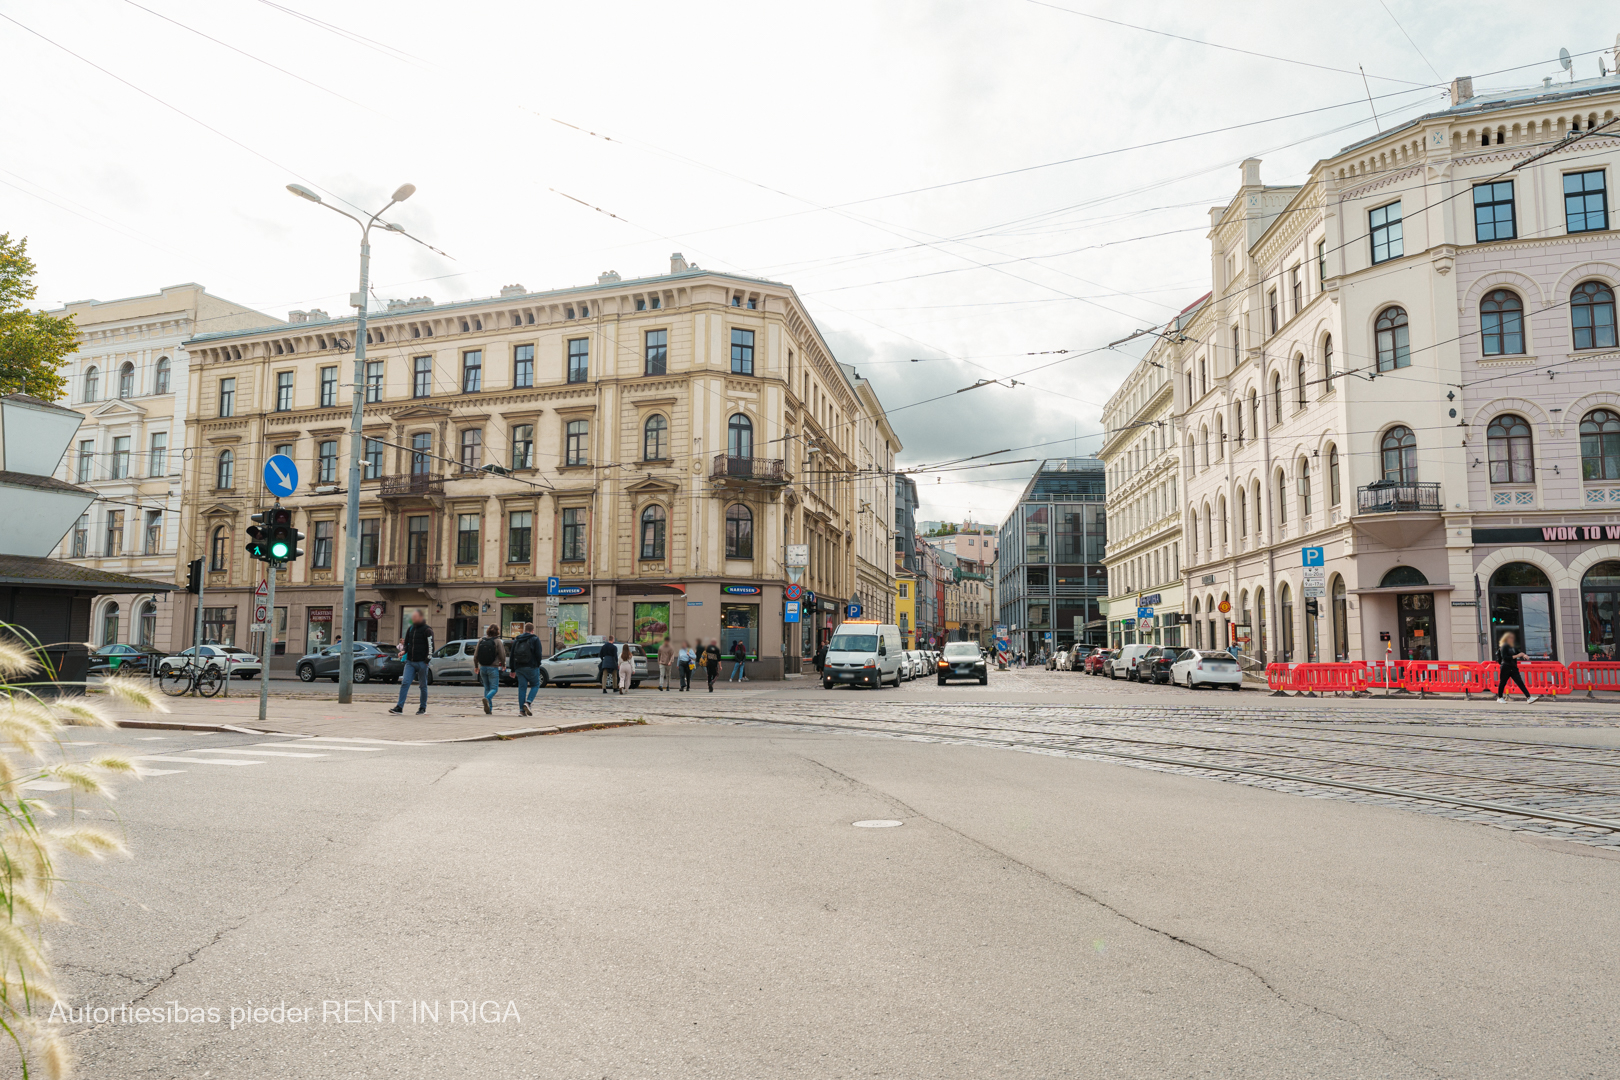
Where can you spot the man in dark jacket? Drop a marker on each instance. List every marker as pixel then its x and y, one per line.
pixel 415 646
pixel 525 659
pixel 610 664
pixel 711 662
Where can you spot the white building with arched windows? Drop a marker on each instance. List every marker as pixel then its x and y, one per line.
pixel 1413 359
pixel 129 379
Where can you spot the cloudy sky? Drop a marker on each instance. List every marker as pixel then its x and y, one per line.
pixel 957 189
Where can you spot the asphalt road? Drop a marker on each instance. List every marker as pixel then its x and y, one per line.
pixel 692 900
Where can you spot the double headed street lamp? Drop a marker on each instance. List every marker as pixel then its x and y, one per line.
pixel 351 544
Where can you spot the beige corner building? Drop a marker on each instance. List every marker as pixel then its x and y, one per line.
pixel 660 442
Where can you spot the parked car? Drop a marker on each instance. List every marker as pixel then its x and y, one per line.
pixel 1207 667
pixel 372 663
pixel 123 657
pixel 1123 663
pixel 227 658
pixel 1153 666
pixel 581 665
pixel 962 660
pixel 1093 661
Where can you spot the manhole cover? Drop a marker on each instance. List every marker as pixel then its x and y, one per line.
pixel 878 823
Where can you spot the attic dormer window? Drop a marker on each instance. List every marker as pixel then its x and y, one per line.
pixel 736 301
pixel 320 341
pixel 657 303
pixel 584 311
pixel 464 327
pixel 568 313
pixel 641 305
pixel 752 303
pixel 530 317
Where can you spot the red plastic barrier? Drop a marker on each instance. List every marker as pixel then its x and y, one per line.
pixel 1590 675
pixel 1386 674
pixel 1279 677
pixel 1333 678
pixel 1442 677
pixel 1541 676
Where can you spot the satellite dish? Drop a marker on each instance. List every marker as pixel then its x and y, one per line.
pixel 1564 60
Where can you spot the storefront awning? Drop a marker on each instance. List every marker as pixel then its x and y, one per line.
pixel 1401 589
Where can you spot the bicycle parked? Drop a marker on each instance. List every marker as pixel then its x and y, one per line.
pixel 191 677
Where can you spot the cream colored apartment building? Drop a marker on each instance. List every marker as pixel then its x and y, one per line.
pixel 659 442
pixel 876 445
pixel 130 379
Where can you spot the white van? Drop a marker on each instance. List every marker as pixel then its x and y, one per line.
pixel 863 654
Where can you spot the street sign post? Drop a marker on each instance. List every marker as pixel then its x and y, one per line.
pixel 790 611
pixel 280 475
pixel 854 611
pixel 552 586
pixel 268 642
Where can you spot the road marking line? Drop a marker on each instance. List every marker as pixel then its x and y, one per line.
pixel 337 739
pixel 160 772
pixel 328 746
pixel 250 753
pixel 44 785
pixel 198 761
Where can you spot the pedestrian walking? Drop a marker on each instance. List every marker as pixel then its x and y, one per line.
pixel 609 664
pixel 686 660
pixel 525 664
pixel 821 657
pixel 489 659
pixel 666 657
pixel 415 646
pixel 627 668
pixel 1508 657
pixel 711 662
pixel 739 654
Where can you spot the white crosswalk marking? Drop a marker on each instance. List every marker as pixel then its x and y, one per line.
pixel 44 785
pixel 252 753
pixel 161 772
pixel 198 761
pixel 327 745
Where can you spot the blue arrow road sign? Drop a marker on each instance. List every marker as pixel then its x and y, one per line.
pixel 1312 556
pixel 280 475
pixel 1144 613
pixel 552 586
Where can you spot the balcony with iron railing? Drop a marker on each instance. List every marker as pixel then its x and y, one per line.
pixel 406 575
pixel 769 472
pixel 1391 497
pixel 412 484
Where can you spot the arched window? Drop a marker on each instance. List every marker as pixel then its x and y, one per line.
pixel 1399 449
pixel 652 532
pixel 1203 435
pixel 1600 445
pixel 1507 441
pixel 225 470
pixel 1341 621
pixel 1591 314
pixel 1209 530
pixel 109 624
pixel 655 439
pixel 1237 423
pixel 92 383
pixel 739 532
pixel 1224 532
pixel 1403 577
pixel 1254 410
pixel 1260 621
pixel 1522 603
pixel 1220 437
pixel 126 380
pixel 1394 343
pixel 1282 497
pixel 1501 323
pixel 1276 397
pixel 1285 616
pixel 1299 379
pixel 160 376
pixel 740 437
pixel 1333 476
pixel 1194 532
pixel 146 627
pixel 1259 507
pixel 1304 488
pixel 1600 609
pixel 1327 364
pixel 218 552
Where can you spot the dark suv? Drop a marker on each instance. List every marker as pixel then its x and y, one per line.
pixel 1153 666
pixel 372 663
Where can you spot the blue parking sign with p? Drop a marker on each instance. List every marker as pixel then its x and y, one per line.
pixel 1312 556
pixel 553 586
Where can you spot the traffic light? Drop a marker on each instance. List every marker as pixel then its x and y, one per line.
pixel 259 536
pixel 284 539
pixel 1311 607
pixel 194 577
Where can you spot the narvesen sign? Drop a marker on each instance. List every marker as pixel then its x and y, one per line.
pixel 1549 534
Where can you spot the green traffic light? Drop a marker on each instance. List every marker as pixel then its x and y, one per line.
pixel 279 549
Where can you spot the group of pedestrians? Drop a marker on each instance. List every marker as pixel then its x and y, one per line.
pixel 492 657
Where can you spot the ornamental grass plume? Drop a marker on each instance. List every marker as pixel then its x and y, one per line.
pixel 31 725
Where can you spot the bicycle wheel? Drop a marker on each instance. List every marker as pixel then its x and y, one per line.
pixel 174 681
pixel 209 682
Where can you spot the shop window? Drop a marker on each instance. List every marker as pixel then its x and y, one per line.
pixel 739 622
pixel 219 626
pixel 1522 604
pixel 1600 608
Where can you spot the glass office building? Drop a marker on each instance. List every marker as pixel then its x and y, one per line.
pixel 1051 577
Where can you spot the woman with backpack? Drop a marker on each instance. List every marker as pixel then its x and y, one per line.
pixel 489 658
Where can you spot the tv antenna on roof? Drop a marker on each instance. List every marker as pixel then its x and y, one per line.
pixel 1566 63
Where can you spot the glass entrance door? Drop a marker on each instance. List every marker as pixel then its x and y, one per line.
pixel 1417 625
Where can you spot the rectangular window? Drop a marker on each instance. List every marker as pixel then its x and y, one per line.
pixel 422 453
pixel 285 449
pixel 1298 290
pixel 284 391
pixel 219 626
pixel 368 541
pixel 472 371
pixel 523 446
pixel 579 359
pixel 157 458
pixel 115 534
pixel 472 449
pixel 87 459
pixel 374 459
pixel 1384 230
pixel 1321 265
pixel 905 591
pixel 326 463
pixel 374 381
pixel 422 376
pixel 742 352
pixel 466 538
pixel 329 387
pixel 1493 211
pixel 1237 348
pixel 523 366
pixel 1586 202
pixel 154 532
pixel 227 397
pixel 519 536
pixel 120 457
pixel 416 540
pixel 657 349
pixel 573 535
pixel 576 452
pixel 1271 300
pixel 321 552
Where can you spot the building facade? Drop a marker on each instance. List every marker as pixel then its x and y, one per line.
pixel 130 379
pixel 875 448
pixel 655 444
pixel 1411 366
pixel 1050 551
pixel 1141 454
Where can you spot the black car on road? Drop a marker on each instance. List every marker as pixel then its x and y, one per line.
pixel 962 660
pixel 110 659
pixel 1153 666
pixel 372 663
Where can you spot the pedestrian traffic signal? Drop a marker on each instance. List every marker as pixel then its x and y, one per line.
pixel 272 538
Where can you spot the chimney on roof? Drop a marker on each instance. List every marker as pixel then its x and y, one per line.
pixel 677 263
pixel 1462 88
pixel 1251 172
pixel 607 277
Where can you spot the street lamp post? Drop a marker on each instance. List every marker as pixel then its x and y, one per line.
pixel 351 533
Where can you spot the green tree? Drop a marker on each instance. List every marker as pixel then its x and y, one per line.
pixel 33 345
